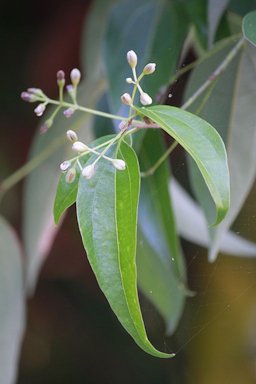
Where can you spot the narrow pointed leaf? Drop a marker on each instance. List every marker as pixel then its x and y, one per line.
pixel 233 98
pixel 161 267
pixel 215 11
pixel 107 216
pixel 12 303
pixel 249 27
pixel 203 143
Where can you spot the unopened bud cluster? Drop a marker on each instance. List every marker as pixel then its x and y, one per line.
pixel 81 149
pixel 145 99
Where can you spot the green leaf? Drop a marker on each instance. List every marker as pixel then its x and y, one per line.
pixel 149 23
pixel 107 216
pixel 12 303
pixel 203 143
pixel 233 98
pixel 215 11
pixel 39 229
pixel 249 27
pixel 66 192
pixel 161 268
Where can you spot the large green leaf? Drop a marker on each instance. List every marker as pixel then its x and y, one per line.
pixel 107 216
pixel 249 27
pixel 203 143
pixel 233 98
pixel 39 228
pixel 161 268
pixel 155 30
pixel 12 303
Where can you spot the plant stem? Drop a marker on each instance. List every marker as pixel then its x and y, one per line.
pixel 152 169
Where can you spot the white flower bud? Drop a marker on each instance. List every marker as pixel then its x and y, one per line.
pixel 123 125
pixel 70 89
pixel 126 99
pixel 68 112
pixel 39 110
pixel 88 171
pixel 70 175
pixel 149 68
pixel 71 136
pixel 65 166
pixel 27 96
pixel 61 78
pixel 119 164
pixel 78 146
pixel 145 99
pixel 44 128
pixel 129 80
pixel 132 59
pixel 75 76
pixel 36 91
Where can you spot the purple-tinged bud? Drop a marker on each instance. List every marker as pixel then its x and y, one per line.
pixel 61 78
pixel 30 97
pixel 132 59
pixel 71 136
pixel 122 126
pixel 78 146
pixel 145 99
pixel 89 171
pixel 39 110
pixel 70 175
pixel 149 68
pixel 119 164
pixel 68 112
pixel 129 80
pixel 75 76
pixel 44 128
pixel 65 165
pixel 126 99
pixel 36 92
pixel 70 89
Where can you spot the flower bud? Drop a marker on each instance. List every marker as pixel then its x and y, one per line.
pixel 70 175
pixel 145 99
pixel 132 59
pixel 39 110
pixel 149 68
pixel 36 91
pixel 61 78
pixel 126 99
pixel 123 125
pixel 88 171
pixel 78 146
pixel 129 80
pixel 75 76
pixel 68 112
pixel 44 128
pixel 72 136
pixel 27 96
pixel 119 164
pixel 65 165
pixel 70 89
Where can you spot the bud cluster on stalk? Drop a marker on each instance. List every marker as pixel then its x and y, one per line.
pixel 145 99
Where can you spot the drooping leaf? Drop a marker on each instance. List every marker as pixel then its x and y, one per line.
pixel 204 145
pixel 155 31
pixel 233 98
pixel 192 226
pixel 161 268
pixel 249 27
pixel 66 192
pixel 39 228
pixel 215 11
pixel 12 303
pixel 107 217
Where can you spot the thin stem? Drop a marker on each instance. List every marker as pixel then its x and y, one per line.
pixel 161 159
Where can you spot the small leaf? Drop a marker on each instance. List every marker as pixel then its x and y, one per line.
pixel 203 143
pixel 12 303
pixel 249 27
pixel 107 216
pixel 215 11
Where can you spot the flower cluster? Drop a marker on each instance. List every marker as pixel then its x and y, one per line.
pixel 145 99
pixel 69 166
